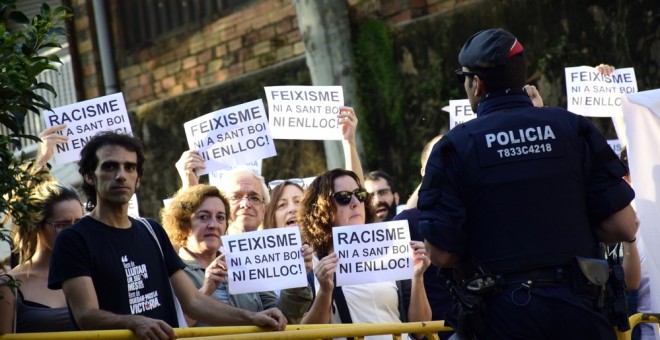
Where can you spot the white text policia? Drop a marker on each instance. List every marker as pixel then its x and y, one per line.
pixel 530 134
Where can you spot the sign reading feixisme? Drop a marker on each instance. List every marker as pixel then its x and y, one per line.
pixel 231 136
pixel 305 112
pixel 264 260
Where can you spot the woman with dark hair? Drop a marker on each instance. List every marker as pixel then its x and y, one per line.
pixel 195 220
pixel 336 198
pixel 32 307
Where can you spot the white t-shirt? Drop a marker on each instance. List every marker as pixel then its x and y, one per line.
pixel 370 303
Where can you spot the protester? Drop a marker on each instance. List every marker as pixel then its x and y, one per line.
pixel 335 198
pixel 31 306
pixel 121 273
pixel 516 201
pixel 282 210
pixel 195 220
pixel 384 197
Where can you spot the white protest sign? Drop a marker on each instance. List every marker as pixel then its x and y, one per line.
pixel 133 209
pixel 374 252
pixel 305 112
pixel 264 260
pixel 460 111
pixel 591 93
pixel 616 146
pixel 216 176
pixel 84 120
pixel 231 136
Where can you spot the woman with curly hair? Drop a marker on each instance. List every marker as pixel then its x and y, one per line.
pixel 194 221
pixel 336 198
pixel 32 307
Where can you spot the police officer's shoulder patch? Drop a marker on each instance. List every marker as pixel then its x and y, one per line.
pixel 518 143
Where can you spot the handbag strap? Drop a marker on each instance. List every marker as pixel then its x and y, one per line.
pixel 179 311
pixel 342 305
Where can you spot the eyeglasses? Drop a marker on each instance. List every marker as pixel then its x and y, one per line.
pixel 460 75
pixel 59 225
pixel 274 183
pixel 252 198
pixel 344 197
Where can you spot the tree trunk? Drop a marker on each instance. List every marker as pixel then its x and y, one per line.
pixel 325 31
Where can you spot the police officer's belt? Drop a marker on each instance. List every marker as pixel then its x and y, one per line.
pixel 544 277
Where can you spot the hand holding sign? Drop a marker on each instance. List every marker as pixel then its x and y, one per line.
pixel 349 122
pixel 187 166
pixel 49 138
pixel 308 256
pixel 534 95
pixel 420 260
pixel 605 69
pixel 325 272
pixel 214 275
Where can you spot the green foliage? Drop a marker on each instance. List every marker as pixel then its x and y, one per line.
pixel 380 92
pixel 20 64
pixel 13 186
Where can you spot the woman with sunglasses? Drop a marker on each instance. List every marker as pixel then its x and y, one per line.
pixel 336 198
pixel 32 307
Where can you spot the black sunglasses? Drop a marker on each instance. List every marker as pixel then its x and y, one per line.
pixel 460 75
pixel 344 197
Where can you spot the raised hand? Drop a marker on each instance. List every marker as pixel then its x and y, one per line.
pixel 349 123
pixel 187 166
pixel 325 271
pixel 308 256
pixel 49 138
pixel 214 275
pixel 421 260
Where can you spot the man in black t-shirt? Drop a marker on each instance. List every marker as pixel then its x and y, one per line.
pixel 116 271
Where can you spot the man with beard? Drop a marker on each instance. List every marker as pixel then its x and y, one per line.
pixel 384 196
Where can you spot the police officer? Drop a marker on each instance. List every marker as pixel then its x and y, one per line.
pixel 511 198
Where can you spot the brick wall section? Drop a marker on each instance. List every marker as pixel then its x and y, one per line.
pixel 255 37
pixel 252 38
pixel 90 70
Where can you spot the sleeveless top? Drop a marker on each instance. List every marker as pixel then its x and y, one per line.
pixel 35 317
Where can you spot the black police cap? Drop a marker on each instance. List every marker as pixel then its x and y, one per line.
pixel 489 49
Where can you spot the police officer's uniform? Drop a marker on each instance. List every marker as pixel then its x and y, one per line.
pixel 519 191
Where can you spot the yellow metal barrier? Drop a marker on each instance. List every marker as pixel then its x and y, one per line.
pixel 635 320
pixel 301 332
